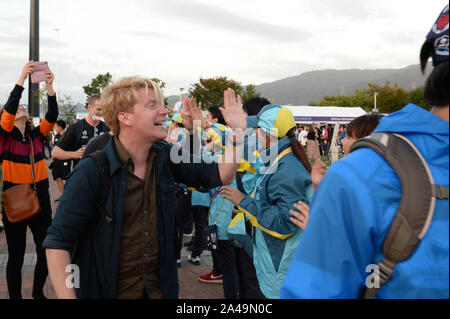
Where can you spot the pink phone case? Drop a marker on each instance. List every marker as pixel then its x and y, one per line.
pixel 39 72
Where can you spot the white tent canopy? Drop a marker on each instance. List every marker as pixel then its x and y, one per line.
pixel 327 114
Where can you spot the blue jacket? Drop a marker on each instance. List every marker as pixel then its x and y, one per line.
pixel 276 238
pixel 352 210
pixel 97 242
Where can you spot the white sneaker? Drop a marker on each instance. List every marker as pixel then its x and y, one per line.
pixel 178 263
pixel 196 261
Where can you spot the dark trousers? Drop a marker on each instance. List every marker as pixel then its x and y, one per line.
pixel 16 234
pixel 239 274
pixel 182 217
pixel 248 281
pixel 225 260
pixel 200 215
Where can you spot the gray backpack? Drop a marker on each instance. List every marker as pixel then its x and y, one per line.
pixel 416 206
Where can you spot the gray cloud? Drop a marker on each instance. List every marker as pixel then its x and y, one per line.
pixel 212 17
pixel 151 34
pixel 347 9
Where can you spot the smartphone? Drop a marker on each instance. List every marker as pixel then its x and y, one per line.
pixel 38 74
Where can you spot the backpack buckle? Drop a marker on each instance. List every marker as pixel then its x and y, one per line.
pixel 386 270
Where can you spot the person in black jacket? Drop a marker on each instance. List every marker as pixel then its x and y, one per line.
pixel 126 251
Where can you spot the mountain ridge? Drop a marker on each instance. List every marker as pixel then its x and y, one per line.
pixel 312 86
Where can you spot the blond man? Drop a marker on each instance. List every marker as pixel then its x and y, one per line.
pixel 127 250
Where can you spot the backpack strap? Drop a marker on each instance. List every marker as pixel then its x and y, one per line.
pixel 105 128
pixel 416 207
pixel 102 162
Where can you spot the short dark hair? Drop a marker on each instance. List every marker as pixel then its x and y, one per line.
pixel 216 114
pixel 93 98
pixel 61 123
pixel 253 105
pixel 363 125
pixel 436 87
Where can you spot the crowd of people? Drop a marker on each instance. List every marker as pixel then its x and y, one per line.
pixel 133 181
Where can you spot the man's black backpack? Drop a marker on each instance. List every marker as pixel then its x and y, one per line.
pixel 102 162
pixel 416 207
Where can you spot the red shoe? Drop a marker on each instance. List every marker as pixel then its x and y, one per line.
pixel 210 278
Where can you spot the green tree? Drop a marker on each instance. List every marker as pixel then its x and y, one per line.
pixel 68 108
pixel 417 97
pixel 249 92
pixel 210 91
pixel 162 86
pixel 97 85
pixel 389 98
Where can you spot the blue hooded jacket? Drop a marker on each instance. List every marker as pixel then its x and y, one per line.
pixel 352 210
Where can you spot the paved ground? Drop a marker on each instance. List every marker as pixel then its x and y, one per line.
pixel 190 287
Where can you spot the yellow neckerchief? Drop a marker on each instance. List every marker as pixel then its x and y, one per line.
pixel 281 155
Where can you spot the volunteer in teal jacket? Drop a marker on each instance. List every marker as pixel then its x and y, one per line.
pixel 283 179
pixel 356 202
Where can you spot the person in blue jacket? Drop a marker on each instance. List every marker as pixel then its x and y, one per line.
pixel 358 198
pixel 283 179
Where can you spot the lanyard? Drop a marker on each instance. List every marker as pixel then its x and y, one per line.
pixel 285 152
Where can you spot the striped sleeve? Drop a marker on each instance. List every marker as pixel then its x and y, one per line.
pixel 10 110
pixel 51 116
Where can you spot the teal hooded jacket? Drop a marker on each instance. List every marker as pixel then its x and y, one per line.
pixel 275 237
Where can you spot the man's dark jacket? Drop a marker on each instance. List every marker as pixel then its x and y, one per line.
pixel 95 240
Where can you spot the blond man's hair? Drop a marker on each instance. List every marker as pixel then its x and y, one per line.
pixel 122 95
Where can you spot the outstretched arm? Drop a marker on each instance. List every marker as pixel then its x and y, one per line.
pixel 51 116
pixel 9 114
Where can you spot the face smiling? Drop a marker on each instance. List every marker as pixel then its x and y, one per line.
pixel 149 116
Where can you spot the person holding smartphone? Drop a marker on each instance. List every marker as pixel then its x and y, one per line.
pixel 16 135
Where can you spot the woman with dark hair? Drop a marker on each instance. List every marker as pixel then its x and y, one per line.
pixel 16 135
pixel 312 146
pixel 360 127
pixel 283 178
pixel 253 105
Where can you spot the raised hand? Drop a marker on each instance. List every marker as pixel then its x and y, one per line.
pixel 192 113
pixel 50 77
pixel 49 82
pixel 27 69
pixel 232 113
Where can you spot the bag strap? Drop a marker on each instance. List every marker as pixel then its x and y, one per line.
pixel 32 161
pixel 102 162
pixel 416 207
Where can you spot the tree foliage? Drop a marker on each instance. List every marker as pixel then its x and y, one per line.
pixel 249 92
pixel 389 98
pixel 97 85
pixel 209 91
pixel 68 108
pixel 41 94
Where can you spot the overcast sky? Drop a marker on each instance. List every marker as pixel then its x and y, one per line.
pixel 179 41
